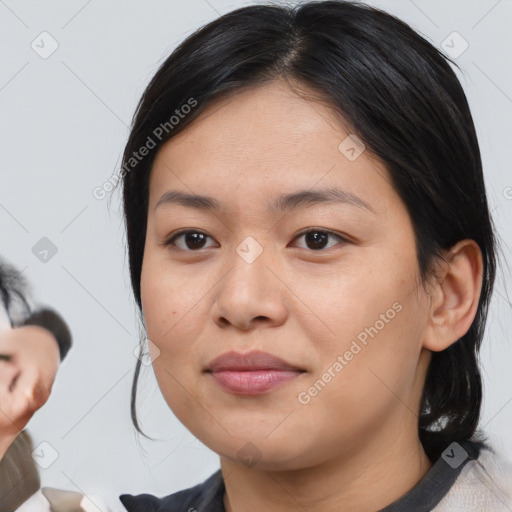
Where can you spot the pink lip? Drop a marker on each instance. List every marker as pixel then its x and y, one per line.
pixel 254 360
pixel 253 373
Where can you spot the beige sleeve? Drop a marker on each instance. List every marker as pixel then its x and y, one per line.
pixel 19 477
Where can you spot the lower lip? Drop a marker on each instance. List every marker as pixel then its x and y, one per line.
pixel 254 382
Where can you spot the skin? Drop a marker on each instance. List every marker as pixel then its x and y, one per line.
pixel 26 380
pixel 355 445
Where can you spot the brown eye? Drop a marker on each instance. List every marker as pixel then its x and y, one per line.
pixel 192 240
pixel 318 239
pixel 315 239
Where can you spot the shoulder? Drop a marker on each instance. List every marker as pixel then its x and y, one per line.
pixel 205 496
pixel 484 484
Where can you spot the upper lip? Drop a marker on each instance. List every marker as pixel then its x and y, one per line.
pixel 254 360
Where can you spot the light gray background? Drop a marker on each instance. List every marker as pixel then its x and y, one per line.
pixel 64 124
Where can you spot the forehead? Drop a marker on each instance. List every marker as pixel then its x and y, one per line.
pixel 266 140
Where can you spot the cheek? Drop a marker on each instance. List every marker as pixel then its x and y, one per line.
pixel 339 305
pixel 171 304
pixel 161 313
pixel 167 319
pixel 369 315
pixel 166 297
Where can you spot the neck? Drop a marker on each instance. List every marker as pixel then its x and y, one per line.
pixel 367 477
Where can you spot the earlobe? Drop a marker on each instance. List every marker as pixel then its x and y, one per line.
pixel 455 296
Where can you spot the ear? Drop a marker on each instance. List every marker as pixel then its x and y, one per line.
pixel 455 293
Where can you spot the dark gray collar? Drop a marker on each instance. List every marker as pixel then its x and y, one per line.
pixel 208 496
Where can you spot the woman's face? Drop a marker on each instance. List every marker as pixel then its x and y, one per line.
pixel 348 312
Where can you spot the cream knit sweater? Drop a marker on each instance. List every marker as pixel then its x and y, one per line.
pixel 484 485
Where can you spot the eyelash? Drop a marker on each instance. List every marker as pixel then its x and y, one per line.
pixel 170 240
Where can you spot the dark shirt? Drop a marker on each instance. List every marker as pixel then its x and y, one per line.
pixel 208 496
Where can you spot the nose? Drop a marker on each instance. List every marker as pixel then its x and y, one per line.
pixel 251 293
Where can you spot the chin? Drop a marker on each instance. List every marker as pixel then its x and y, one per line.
pixel 257 452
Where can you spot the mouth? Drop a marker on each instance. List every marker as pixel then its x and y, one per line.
pixel 253 373
pixel 250 361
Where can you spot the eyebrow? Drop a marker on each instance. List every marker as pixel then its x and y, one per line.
pixel 284 203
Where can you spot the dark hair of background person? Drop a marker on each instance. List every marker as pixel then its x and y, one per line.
pixel 400 96
pixel 15 292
